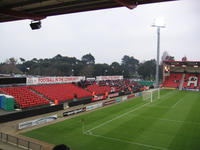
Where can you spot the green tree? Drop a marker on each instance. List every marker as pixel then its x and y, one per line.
pixel 88 59
pixel 147 69
pixel 10 66
pixel 166 56
pixel 129 65
pixel 11 60
pixel 22 60
pixel 87 70
pixel 116 69
pixel 101 69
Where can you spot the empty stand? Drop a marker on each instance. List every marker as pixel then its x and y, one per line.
pixel 24 97
pixel 191 81
pixel 173 80
pixel 61 92
pixel 36 95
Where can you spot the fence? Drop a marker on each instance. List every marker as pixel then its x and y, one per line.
pixel 25 144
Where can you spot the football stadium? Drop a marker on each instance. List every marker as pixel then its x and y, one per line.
pixel 104 112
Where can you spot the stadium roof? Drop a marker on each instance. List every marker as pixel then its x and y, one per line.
pixel 11 10
pixel 180 63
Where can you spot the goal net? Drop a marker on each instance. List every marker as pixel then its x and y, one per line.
pixel 151 95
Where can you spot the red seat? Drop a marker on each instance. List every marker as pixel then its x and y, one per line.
pixel 24 96
pixel 61 92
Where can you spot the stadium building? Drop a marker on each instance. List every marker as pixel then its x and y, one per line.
pixel 183 75
pixel 39 113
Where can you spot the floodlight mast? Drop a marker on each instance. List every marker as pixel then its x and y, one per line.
pixel 158 23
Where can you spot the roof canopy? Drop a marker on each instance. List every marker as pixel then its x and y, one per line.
pixel 181 63
pixel 11 10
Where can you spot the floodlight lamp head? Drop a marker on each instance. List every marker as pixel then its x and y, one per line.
pixel 35 25
pixel 159 22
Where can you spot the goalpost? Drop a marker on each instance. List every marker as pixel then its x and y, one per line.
pixel 151 94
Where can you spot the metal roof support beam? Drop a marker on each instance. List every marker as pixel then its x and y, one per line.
pixel 21 15
pixel 128 3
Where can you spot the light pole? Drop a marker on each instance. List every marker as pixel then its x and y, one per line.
pixel 158 23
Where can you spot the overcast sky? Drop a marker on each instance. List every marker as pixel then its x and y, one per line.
pixel 108 34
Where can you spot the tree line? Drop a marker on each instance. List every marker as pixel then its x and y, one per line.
pixel 59 65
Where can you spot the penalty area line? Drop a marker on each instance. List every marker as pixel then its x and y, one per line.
pixel 178 102
pixel 126 141
pixel 169 120
pixel 137 108
pixel 106 122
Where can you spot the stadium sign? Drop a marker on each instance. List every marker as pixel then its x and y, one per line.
pixel 138 94
pixel 109 102
pixel 98 98
pixel 131 96
pixel 37 122
pixel 91 107
pixel 188 89
pixel 53 80
pixel 100 78
pixel 118 100
pixel 113 95
pixel 72 112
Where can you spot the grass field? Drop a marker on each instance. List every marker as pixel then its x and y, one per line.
pixel 171 123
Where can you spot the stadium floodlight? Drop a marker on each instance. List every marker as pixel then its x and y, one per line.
pixel 158 23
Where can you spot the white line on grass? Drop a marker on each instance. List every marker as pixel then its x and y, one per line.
pixel 102 124
pixel 159 106
pixel 169 93
pixel 141 106
pixel 169 120
pixel 89 132
pixel 129 142
pixel 179 121
pixel 165 96
pixel 177 102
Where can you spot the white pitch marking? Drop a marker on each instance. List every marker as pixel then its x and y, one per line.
pixel 177 102
pixel 159 106
pixel 129 142
pixel 89 132
pixel 170 120
pixel 102 124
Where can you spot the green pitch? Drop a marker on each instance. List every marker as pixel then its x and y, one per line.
pixel 171 123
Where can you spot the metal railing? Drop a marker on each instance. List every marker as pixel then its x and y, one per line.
pixel 19 142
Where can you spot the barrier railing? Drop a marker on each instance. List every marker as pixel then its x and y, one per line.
pixel 19 142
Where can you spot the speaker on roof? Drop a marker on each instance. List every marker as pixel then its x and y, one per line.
pixel 35 25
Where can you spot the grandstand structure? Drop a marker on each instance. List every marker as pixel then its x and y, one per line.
pixel 51 91
pixel 24 97
pixel 183 75
pixel 61 92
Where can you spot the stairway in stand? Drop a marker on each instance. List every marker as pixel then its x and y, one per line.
pixel 182 81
